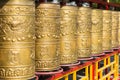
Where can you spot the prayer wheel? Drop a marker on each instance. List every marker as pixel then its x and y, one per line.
pixel 17 39
pixel 107 26
pixel 119 37
pixel 84 32
pixel 119 31
pixel 68 17
pixel 47 38
pixel 96 42
pixel 115 21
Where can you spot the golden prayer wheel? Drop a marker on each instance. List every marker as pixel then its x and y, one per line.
pixel 107 26
pixel 96 42
pixel 115 29
pixel 119 35
pixel 47 24
pixel 119 30
pixel 17 47
pixel 84 32
pixel 68 17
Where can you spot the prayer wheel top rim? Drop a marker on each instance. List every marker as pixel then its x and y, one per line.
pixel 49 5
pixel 96 10
pixel 69 7
pixel 83 8
pixel 106 11
pixel 17 2
pixel 114 12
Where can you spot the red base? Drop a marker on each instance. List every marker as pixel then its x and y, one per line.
pixel 49 73
pixel 80 66
pixel 119 77
pixel 108 51
pixel 119 50
pixel 98 55
pixel 114 49
pixel 86 59
pixel 73 64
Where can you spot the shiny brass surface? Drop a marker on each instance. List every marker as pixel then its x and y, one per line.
pixel 84 32
pixel 68 11
pixel 115 29
pixel 17 47
pixel 97 22
pixel 68 17
pixel 47 30
pixel 119 30
pixel 83 46
pixel 48 10
pixel 107 26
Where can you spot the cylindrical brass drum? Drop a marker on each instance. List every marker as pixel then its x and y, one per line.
pixel 97 22
pixel 84 32
pixel 47 24
pixel 68 23
pixel 115 29
pixel 107 26
pixel 17 47
pixel 119 30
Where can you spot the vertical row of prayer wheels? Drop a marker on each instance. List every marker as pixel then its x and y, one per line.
pixel 50 36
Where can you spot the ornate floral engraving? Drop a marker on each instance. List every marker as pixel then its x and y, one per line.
pixel 47 30
pixel 68 25
pixel 107 26
pixel 114 29
pixel 16 40
pixel 84 32
pixel 97 28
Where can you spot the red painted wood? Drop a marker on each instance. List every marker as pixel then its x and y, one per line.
pixel 103 3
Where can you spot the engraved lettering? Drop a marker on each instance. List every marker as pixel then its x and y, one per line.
pixel 45 64
pixel 43 51
pixel 67 46
pixel 17 10
pixel 32 54
pixel 13 58
pixel 16 72
pixel 2 72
